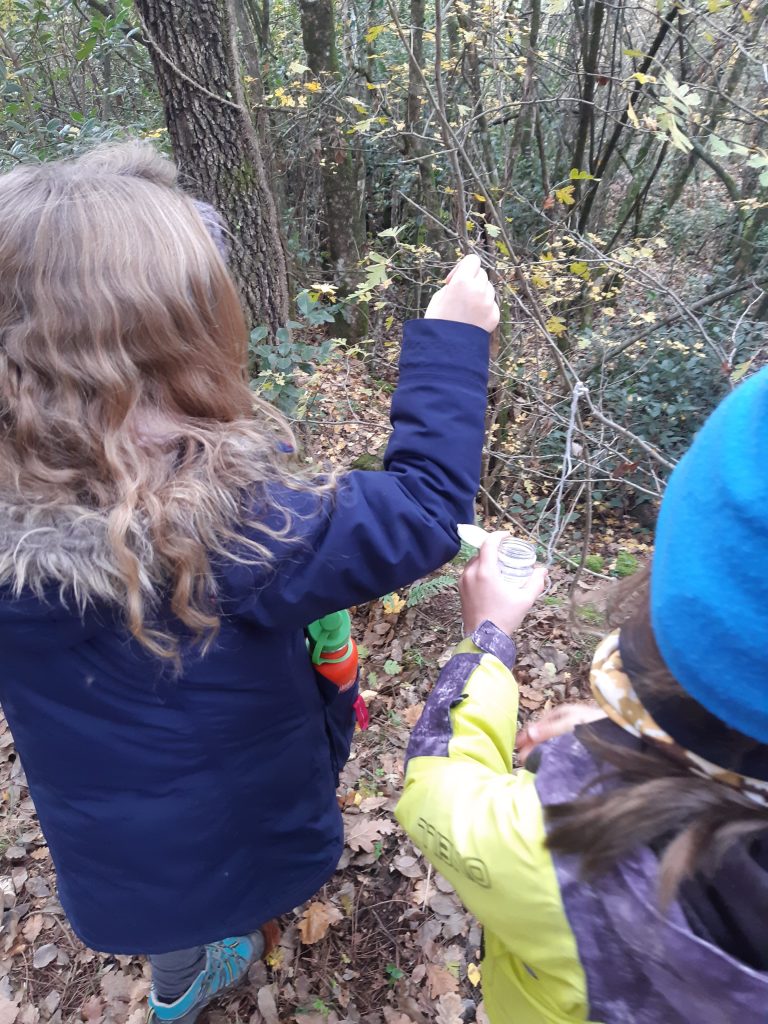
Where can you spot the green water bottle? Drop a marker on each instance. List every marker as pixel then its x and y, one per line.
pixel 332 649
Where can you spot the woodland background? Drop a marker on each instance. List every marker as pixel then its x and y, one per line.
pixel 609 162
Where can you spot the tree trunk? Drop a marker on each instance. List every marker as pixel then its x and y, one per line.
pixel 414 145
pixel 341 171
pixel 194 53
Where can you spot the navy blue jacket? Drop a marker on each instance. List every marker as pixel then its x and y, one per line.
pixel 180 811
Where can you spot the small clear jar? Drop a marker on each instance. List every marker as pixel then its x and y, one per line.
pixel 517 560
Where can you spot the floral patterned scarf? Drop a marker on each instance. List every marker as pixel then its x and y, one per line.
pixel 614 692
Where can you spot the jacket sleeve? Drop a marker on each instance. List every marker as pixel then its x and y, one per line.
pixel 382 530
pixel 479 822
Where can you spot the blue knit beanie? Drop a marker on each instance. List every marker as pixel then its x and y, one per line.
pixel 709 585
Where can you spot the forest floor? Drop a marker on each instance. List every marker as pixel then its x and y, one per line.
pixel 386 941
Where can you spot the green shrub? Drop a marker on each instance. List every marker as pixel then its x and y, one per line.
pixel 625 565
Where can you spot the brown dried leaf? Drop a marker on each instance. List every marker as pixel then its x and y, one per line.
pixel 412 714
pixel 408 866
pixel 267 1005
pixel 45 955
pixel 93 1010
pixel 9 1010
pixel 362 832
pixel 317 919
pixel 38 887
pixel 422 892
pixel 450 1009
pixel 443 903
pixel 393 1016
pixel 440 981
pixel 28 1014
pixel 51 1002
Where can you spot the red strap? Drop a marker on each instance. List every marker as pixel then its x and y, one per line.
pixel 361 713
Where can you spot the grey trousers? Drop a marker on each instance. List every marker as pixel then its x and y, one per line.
pixel 173 973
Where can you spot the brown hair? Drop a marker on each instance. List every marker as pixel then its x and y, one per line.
pixel 690 821
pixel 128 440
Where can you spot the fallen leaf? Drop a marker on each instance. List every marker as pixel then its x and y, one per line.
pixel 45 955
pixel 267 1006
pixel 393 1016
pixel 450 1009
pixel 412 714
pixel 8 1010
pixel 442 903
pixel 93 1010
pixel 366 831
pixel 38 887
pixel 422 892
pixel 15 853
pixel 317 919
pixel 51 1002
pixel 372 803
pixel 440 981
pixel 33 927
pixel 28 1014
pixel 408 866
pixel 474 974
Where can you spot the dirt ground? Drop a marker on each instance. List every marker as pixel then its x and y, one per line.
pixel 386 940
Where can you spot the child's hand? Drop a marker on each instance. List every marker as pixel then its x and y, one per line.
pixel 467 297
pixel 557 722
pixel 485 594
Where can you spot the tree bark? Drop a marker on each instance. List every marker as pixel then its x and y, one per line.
pixel 340 168
pixel 194 53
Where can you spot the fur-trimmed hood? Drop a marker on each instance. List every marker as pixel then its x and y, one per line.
pixel 66 550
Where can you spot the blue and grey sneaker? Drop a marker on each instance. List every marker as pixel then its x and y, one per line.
pixel 226 964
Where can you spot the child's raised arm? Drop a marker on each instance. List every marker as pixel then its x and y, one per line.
pixel 382 530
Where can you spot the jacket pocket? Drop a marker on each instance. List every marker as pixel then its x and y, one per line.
pixel 339 720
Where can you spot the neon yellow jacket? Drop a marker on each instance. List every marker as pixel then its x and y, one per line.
pixel 557 949
pixel 480 823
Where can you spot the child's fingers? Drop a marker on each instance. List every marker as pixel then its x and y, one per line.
pixel 488 558
pixel 465 269
pixel 537 582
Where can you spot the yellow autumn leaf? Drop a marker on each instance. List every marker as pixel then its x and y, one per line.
pixel 556 325
pixel 565 195
pixel 392 604
pixel 297 68
pixel 473 973
pixel 313 86
pixel 642 78
pixel 478 197
pixel 374 32
pixel 580 269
